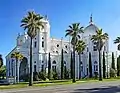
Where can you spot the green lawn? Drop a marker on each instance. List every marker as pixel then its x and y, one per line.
pixel 52 83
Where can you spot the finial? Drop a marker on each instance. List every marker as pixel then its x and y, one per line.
pixel 46 17
pixel 91 21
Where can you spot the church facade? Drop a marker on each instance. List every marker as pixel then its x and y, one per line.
pixel 43 44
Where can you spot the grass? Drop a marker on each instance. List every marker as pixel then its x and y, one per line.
pixel 53 83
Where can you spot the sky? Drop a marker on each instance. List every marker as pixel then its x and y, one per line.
pixel 61 13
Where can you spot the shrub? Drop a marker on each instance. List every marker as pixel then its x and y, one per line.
pixel 42 75
pixel 55 75
pixel 96 75
pixel 67 74
pixel 112 72
pixel 35 76
pixel 25 77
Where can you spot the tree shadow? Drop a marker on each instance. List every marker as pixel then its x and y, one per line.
pixel 109 89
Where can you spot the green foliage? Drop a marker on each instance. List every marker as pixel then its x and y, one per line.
pixel 67 74
pixel 1 61
pixel 90 66
pixel 113 61
pixel 55 75
pixel 17 55
pixel 62 65
pixel 96 75
pixel 118 66
pixel 3 72
pixel 35 76
pixel 74 31
pixel 117 41
pixel 80 46
pixel 104 67
pixel 42 75
pixel 112 72
pixel 32 23
pixel 25 77
pixel 99 38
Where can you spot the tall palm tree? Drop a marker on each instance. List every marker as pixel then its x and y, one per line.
pixel 17 56
pixel 74 31
pixel 80 46
pixel 117 41
pixel 32 23
pixel 1 61
pixel 100 39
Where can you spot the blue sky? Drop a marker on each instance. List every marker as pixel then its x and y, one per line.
pixel 61 13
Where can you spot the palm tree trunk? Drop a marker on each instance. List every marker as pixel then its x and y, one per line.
pixel 71 66
pixel 31 69
pixel 16 69
pixel 62 65
pixel 74 64
pixel 49 67
pixel 100 74
pixel 79 65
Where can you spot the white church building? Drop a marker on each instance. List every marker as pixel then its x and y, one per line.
pixel 43 44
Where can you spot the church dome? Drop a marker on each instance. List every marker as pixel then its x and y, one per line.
pixel 91 27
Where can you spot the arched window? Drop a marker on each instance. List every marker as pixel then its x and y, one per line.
pixel 54 66
pixel 64 62
pixel 54 62
pixel 95 66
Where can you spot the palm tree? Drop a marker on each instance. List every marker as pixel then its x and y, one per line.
pixel 17 56
pixel 117 41
pixel 80 46
pixel 74 31
pixel 100 39
pixel 1 61
pixel 32 23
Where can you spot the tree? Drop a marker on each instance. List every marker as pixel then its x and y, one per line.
pixel 3 72
pixel 104 67
pixel 17 56
pixel 90 65
pixel 100 39
pixel 117 41
pixel 62 65
pixel 118 66
pixel 32 23
pixel 49 67
pixel 1 61
pixel 80 46
pixel 113 61
pixel 74 30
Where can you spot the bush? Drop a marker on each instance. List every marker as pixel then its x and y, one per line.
pixel 55 75
pixel 67 74
pixel 25 77
pixel 35 76
pixel 96 75
pixel 42 75
pixel 112 72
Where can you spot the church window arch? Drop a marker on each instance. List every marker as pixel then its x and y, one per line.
pixel 54 66
pixel 95 66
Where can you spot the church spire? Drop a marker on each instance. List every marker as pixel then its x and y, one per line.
pixel 91 21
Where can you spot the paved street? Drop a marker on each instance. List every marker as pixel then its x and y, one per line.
pixel 95 87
